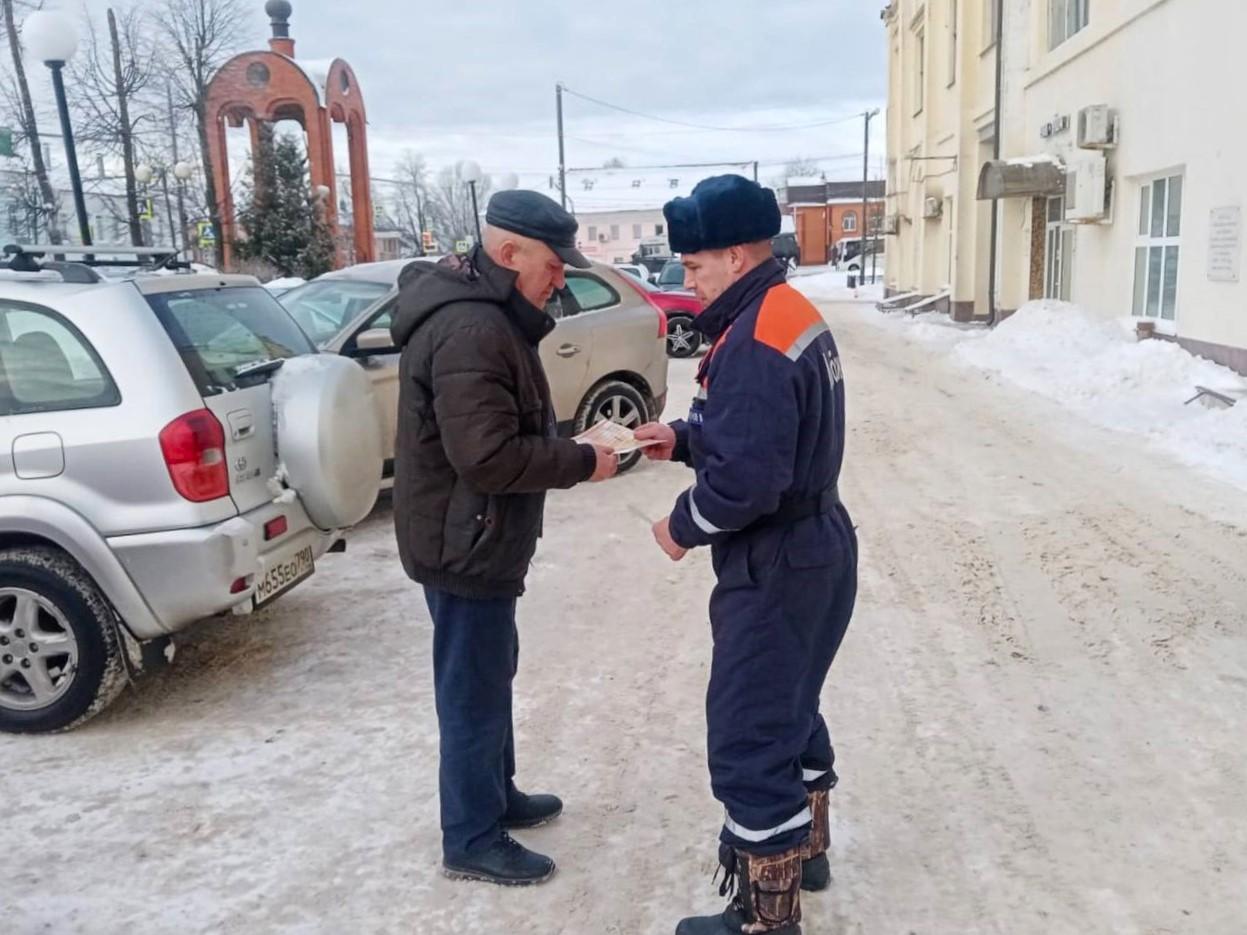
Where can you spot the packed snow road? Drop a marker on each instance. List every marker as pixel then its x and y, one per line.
pixel 1038 711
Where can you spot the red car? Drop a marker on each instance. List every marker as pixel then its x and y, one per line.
pixel 683 340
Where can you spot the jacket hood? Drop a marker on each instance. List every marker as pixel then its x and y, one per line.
pixel 425 288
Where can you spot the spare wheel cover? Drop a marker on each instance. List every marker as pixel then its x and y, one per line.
pixel 329 441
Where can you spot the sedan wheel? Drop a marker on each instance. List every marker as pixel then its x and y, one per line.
pixel 683 340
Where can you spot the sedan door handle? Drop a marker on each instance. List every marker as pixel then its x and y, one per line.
pixel 568 350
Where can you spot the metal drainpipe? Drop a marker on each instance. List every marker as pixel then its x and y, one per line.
pixel 993 284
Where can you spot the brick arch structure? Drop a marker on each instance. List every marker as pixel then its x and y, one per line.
pixel 266 86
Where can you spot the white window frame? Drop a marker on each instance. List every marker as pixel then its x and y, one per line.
pixel 953 12
pixel 989 25
pixel 1066 18
pixel 1156 254
pixel 920 68
pixel 848 223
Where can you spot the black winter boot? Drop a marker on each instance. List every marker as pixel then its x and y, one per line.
pixel 506 862
pixel 767 899
pixel 530 811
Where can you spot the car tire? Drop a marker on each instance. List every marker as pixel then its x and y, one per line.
pixel 611 397
pixel 46 594
pixel 683 340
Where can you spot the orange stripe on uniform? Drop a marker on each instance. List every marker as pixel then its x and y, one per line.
pixel 785 318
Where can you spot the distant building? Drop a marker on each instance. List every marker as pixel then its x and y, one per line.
pixel 614 236
pixel 824 213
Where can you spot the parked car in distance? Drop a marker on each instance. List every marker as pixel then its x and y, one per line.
pixel 671 277
pixel 653 254
pixel 172 447
pixel 683 340
pixel 605 359
pixel 637 272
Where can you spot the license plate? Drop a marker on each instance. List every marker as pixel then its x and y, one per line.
pixel 284 575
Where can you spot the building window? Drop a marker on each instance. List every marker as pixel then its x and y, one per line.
pixel 952 42
pixel 593 233
pixel 1158 248
pixel 920 69
pixel 658 230
pixel 989 24
pixel 849 225
pixel 1065 19
pixel 1058 253
pixel 636 231
pixel 614 232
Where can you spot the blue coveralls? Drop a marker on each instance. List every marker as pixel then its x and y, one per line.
pixel 765 436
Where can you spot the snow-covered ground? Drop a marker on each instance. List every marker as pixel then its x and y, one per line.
pixel 1038 711
pixel 1097 368
pixel 823 284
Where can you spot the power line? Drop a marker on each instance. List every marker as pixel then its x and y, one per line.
pixel 707 127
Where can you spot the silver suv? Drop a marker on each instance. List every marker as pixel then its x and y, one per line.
pixel 172 447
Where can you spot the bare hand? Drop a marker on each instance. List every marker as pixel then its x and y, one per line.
pixel 665 436
pixel 662 535
pixel 608 464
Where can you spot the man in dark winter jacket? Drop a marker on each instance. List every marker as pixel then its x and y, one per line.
pixel 765 436
pixel 476 452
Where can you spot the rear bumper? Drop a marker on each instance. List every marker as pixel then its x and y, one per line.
pixel 186 575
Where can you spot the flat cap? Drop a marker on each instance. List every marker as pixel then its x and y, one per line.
pixel 532 214
pixel 723 211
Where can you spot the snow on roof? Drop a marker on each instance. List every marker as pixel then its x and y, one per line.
pixel 592 191
pixel 804 180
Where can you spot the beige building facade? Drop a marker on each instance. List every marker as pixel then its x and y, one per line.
pixel 614 236
pixel 1121 166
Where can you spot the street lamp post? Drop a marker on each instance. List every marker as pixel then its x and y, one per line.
pixel 471 173
pixel 145 174
pixel 182 171
pixel 51 38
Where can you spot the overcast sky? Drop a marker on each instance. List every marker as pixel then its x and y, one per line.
pixel 476 79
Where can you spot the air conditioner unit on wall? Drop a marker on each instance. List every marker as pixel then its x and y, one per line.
pixel 1097 127
pixel 1086 190
pixel 932 208
pixel 891 226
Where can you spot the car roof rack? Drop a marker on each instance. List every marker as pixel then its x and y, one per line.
pixel 29 258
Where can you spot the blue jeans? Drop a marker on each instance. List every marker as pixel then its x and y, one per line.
pixel 475 655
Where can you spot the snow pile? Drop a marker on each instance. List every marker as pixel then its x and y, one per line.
pixel 829 285
pixel 1100 370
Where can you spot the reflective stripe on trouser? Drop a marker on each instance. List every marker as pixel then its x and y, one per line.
pixel 777 620
pixel 799 820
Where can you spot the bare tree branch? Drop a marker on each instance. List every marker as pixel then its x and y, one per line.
pixel 20 105
pixel 199 35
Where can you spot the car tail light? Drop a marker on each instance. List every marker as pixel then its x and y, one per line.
pixel 641 291
pixel 274 528
pixel 194 451
pixel 239 585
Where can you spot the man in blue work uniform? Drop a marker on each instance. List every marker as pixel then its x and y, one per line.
pixel 765 436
